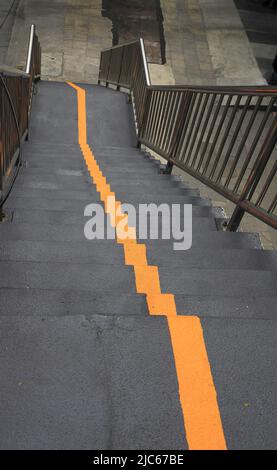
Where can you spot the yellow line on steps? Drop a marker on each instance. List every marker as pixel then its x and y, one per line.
pixel 197 392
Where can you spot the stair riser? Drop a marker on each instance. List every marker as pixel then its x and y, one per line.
pixel 243 307
pixel 68 219
pixel 53 303
pixel 203 282
pixel 76 205
pixel 74 232
pixel 67 276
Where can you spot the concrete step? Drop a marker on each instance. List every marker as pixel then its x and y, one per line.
pixel 48 165
pixel 130 158
pixel 53 150
pixel 81 171
pixel 71 276
pixel 43 302
pixel 51 205
pixel 231 282
pixel 166 197
pixel 122 158
pixel 91 192
pixel 75 151
pixel 110 149
pixel 226 307
pixel 220 258
pixel 58 374
pixel 130 164
pixel 75 252
pixel 77 183
pixel 119 153
pixel 41 147
pixel 202 221
pixel 113 254
pixel 128 172
pixel 45 167
pixel 77 206
pixel 44 145
pixel 104 278
pixel 50 177
pixel 155 179
pixel 135 167
pixel 57 232
pixel 66 194
pixel 153 190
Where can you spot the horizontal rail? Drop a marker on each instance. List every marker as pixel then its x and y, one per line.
pixel 16 91
pixel 223 136
pixel 12 71
pixel 119 46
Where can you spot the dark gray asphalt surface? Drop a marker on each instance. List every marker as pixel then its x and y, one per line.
pixel 82 365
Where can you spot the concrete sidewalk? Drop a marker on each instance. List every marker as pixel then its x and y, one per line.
pixel 205 41
pixel 7 16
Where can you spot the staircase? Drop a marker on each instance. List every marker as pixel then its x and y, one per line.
pixel 83 364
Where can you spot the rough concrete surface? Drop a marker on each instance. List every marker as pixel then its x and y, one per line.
pixel 83 364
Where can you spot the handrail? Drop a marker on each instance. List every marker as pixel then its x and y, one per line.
pixel 30 49
pixel 218 135
pixel 118 46
pixel 16 92
pixel 8 70
pixel 145 64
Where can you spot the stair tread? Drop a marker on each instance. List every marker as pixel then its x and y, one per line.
pixel 207 258
pixel 80 276
pixel 154 180
pixel 67 276
pixel 92 191
pixel 57 374
pixel 72 212
pixel 53 302
pixel 140 197
pixel 237 307
pixel 217 282
pixel 20 230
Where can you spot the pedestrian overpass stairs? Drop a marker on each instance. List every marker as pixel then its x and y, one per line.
pixel 94 353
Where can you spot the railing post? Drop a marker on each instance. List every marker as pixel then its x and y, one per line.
pixel 187 128
pixel 1 163
pixel 255 176
pixel 120 69
pixel 145 63
pixel 100 68
pixel 181 119
pixel 236 219
pixel 108 72
pixel 1 137
pixel 30 49
pixel 146 106
pixel 169 168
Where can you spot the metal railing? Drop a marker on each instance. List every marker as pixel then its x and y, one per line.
pixel 16 91
pixel 223 136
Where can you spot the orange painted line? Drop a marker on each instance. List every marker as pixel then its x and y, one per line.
pixel 196 387
pixel 135 255
pixel 197 392
pixel 147 279
pixel 158 304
